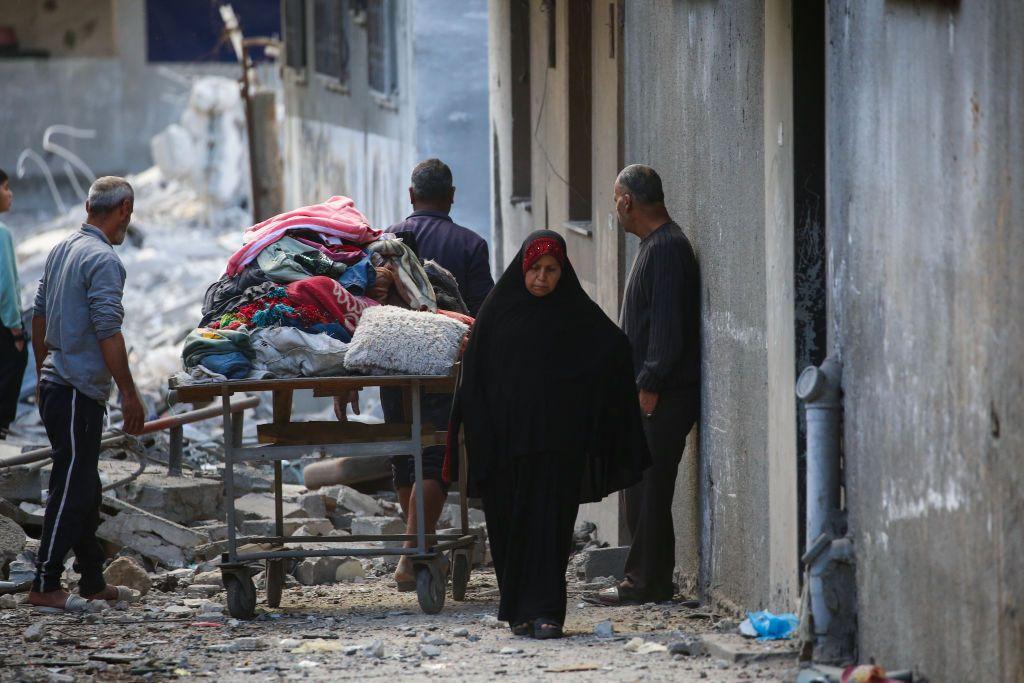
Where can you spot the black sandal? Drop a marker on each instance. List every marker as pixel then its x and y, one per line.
pixel 522 629
pixel 543 629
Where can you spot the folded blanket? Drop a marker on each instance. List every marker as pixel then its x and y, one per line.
pixel 337 217
pixel 411 282
pixel 231 345
pixel 331 298
pixel 394 341
pixel 289 352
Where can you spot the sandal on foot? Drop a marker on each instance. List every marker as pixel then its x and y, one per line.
pixel 621 594
pixel 74 603
pixel 543 629
pixel 124 594
pixel 522 629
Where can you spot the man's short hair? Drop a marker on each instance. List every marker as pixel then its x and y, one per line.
pixel 643 182
pixel 431 180
pixel 107 193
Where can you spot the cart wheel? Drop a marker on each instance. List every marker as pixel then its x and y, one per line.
pixel 430 589
pixel 275 582
pixel 460 575
pixel 241 595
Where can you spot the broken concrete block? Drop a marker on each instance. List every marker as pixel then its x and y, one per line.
pixel 348 499
pixel 316 571
pixel 341 520
pixel 292 526
pixel 315 527
pixel 367 526
pixel 250 480
pixel 124 571
pixel 21 484
pixel 178 499
pixel 217 531
pixel 349 570
pixel 480 552
pixel 313 504
pixel 605 562
pixel 12 540
pixel 451 516
pixel 261 506
pixel 156 539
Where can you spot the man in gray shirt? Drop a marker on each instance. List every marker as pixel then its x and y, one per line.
pixel 76 337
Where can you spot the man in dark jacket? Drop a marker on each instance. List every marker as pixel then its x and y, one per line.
pixel 463 253
pixel 661 317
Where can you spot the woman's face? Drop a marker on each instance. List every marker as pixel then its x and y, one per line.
pixel 543 276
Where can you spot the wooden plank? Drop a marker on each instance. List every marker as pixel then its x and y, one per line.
pixel 321 386
pixel 282 406
pixel 314 433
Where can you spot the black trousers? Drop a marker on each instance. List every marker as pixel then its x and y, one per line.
pixel 648 503
pixel 74 424
pixel 12 369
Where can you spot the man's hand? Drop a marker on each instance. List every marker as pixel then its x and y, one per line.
pixel 463 345
pixel 19 338
pixel 341 402
pixel 648 402
pixel 133 411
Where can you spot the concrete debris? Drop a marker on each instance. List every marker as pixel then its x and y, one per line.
pixel 293 526
pixel 8 601
pixel 20 484
pixel 688 646
pixel 452 517
pixel 351 501
pixel 598 562
pixel 317 571
pixel 261 506
pixel 374 649
pixel 179 499
pixel 373 526
pixel 124 571
pixel 34 633
pixel 430 651
pixel 12 540
pixel 604 629
pixel 156 539
pixel 313 504
pixel 349 570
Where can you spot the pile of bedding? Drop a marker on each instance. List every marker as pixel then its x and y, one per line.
pixel 294 297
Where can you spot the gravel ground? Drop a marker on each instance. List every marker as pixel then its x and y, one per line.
pixel 358 631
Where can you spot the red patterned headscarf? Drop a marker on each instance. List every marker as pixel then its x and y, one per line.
pixel 540 247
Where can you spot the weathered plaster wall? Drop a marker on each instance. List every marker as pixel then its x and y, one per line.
pixel 512 220
pixel 350 141
pixel 693 110
pixel 926 240
pixel 123 98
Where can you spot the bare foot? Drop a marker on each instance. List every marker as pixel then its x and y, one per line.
pixel 57 598
pixel 109 593
pixel 404 570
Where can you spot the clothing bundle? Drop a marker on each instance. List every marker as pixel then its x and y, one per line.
pixel 299 289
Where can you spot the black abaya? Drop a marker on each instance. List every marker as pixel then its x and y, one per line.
pixel 549 405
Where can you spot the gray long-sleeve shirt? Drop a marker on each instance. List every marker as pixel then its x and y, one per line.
pixel 661 313
pixel 79 295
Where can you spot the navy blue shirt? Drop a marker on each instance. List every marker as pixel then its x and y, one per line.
pixel 457 249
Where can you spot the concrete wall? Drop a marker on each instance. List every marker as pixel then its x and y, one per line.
pixel 122 97
pixel 694 104
pixel 348 140
pixel 925 216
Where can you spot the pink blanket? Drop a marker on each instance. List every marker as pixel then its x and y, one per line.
pixel 338 216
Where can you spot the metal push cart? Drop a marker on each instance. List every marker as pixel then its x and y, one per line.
pixel 285 439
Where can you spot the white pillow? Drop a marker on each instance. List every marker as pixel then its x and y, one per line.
pixel 390 340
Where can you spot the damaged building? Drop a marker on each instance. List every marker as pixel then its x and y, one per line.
pixel 848 173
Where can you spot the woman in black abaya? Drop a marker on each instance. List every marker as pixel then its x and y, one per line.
pixel 549 405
